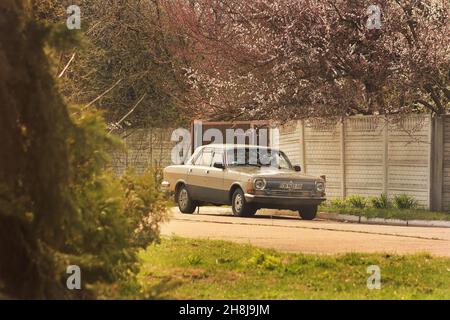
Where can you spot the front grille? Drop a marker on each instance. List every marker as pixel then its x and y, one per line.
pixel 293 186
pixel 282 193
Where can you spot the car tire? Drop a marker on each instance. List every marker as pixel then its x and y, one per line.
pixel 308 212
pixel 185 203
pixel 240 206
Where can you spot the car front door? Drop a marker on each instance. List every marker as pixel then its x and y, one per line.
pixel 213 180
pixel 196 173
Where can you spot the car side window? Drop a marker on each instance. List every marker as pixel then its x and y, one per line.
pixel 217 158
pixel 205 158
pixel 196 161
pixel 194 157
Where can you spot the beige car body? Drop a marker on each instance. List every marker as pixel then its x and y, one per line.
pixel 205 183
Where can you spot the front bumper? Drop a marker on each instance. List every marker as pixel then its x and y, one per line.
pixel 282 202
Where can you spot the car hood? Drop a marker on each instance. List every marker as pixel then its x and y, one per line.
pixel 265 172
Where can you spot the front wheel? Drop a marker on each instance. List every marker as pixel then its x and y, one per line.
pixel 240 206
pixel 308 212
pixel 185 203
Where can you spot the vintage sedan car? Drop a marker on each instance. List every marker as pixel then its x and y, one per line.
pixel 246 177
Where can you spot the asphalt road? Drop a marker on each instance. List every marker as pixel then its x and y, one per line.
pixel 290 234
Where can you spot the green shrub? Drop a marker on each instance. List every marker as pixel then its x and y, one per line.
pixel 338 203
pixel 381 202
pixel 145 205
pixel 116 216
pixel 357 201
pixel 404 201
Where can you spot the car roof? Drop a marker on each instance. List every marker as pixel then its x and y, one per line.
pixel 232 146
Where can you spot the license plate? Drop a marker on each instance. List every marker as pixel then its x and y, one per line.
pixel 291 186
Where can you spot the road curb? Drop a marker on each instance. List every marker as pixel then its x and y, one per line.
pixel 382 221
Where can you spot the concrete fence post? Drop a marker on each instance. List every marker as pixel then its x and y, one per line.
pixel 302 145
pixel 342 157
pixel 437 163
pixel 386 156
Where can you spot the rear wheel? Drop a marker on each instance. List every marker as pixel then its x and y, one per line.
pixel 185 203
pixel 308 212
pixel 240 206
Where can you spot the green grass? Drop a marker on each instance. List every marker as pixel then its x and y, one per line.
pixel 390 213
pixel 181 268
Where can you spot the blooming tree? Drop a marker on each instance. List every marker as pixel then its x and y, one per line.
pixel 286 59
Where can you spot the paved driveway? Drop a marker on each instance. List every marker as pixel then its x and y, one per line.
pixel 290 234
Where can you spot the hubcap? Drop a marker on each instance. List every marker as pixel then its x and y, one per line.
pixel 238 202
pixel 183 198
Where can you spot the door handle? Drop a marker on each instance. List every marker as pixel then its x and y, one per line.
pixel 207 171
pixel 190 170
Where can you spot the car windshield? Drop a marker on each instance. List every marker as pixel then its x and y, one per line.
pixel 259 157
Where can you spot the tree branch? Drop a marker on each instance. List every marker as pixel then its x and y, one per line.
pixel 67 65
pixel 128 113
pixel 102 95
pixel 427 105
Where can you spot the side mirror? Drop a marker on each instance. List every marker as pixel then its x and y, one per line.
pixel 297 168
pixel 218 165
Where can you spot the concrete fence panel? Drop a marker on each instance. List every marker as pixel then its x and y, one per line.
pixel 366 155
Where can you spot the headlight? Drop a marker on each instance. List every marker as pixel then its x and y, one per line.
pixel 320 186
pixel 259 184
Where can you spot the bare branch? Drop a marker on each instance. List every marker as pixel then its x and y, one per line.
pixel 67 65
pixel 102 95
pixel 128 113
